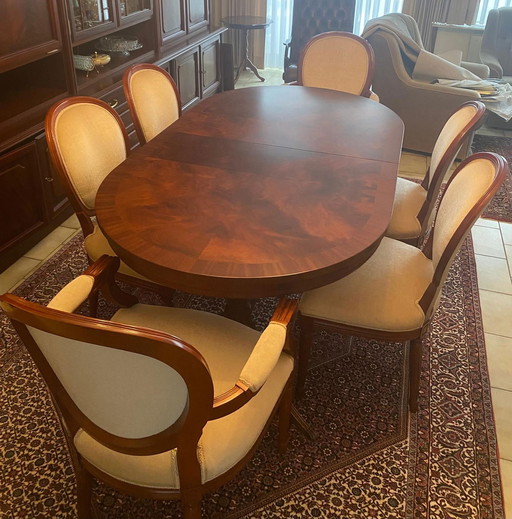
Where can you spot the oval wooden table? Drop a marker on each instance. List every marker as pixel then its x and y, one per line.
pixel 256 192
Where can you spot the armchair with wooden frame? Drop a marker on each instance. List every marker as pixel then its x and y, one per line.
pixel 393 296
pixel 312 17
pixel 86 141
pixel 158 402
pixel 153 98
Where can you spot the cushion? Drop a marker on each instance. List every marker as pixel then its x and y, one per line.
pixel 409 198
pixel 383 294
pixel 225 345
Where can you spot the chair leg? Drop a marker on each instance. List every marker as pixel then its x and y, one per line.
pixel 415 355
pixel 285 411
pixel 93 303
pixel 305 342
pixel 84 487
pixel 191 504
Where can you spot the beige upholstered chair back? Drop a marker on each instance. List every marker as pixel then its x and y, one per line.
pixel 337 61
pixel 127 387
pixel 87 141
pixel 467 194
pixel 457 130
pixel 454 127
pixel 153 99
pixel 127 394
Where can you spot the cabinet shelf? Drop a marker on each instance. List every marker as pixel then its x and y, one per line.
pixel 111 73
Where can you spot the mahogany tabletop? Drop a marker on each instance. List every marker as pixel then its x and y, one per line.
pixel 256 192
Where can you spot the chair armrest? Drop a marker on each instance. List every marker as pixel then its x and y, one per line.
pixel 496 70
pixel 99 276
pixel 260 364
pixel 481 70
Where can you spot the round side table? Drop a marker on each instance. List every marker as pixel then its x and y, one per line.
pixel 246 24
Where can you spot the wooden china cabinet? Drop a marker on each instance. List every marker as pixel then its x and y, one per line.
pixel 45 55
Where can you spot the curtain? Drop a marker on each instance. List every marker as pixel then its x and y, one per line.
pixel 425 12
pixel 223 8
pixel 279 31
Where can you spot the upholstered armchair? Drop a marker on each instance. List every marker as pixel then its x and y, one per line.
pixel 423 106
pixel 312 17
pixel 158 402
pixel 496 50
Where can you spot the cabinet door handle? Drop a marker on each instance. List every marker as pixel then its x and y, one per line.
pixel 113 103
pixel 49 179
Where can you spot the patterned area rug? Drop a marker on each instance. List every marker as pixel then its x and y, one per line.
pixel 500 207
pixel 368 461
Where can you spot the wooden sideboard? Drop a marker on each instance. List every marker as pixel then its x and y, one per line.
pixel 38 44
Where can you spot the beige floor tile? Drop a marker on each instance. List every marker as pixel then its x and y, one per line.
pixel 506 232
pixel 499 359
pixel 10 277
pixel 72 222
pixel 496 312
pixel 502 405
pixel 413 165
pixel 493 274
pixel 273 77
pixel 486 222
pixel 487 241
pixel 506 483
pixel 50 243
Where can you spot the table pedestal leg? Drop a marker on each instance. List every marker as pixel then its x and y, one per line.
pixel 239 310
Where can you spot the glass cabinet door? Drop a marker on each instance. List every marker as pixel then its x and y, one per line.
pixel 28 30
pixel 91 14
pixel 130 7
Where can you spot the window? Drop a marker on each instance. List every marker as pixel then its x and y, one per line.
pixel 280 12
pixel 367 9
pixel 486 5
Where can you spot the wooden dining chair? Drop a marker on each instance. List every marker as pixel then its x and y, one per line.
pixel 158 402
pixel 86 141
pixel 338 61
pixel 414 204
pixel 393 296
pixel 153 99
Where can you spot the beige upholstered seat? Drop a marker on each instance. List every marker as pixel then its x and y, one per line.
pixel 153 99
pixel 158 399
pixel 86 141
pixel 414 204
pixel 338 61
pixel 393 295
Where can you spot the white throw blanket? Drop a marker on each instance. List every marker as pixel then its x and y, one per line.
pixel 427 66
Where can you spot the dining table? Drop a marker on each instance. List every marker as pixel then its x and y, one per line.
pixel 256 192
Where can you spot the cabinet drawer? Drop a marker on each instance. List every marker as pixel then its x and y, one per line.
pixel 21 201
pixel 117 100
